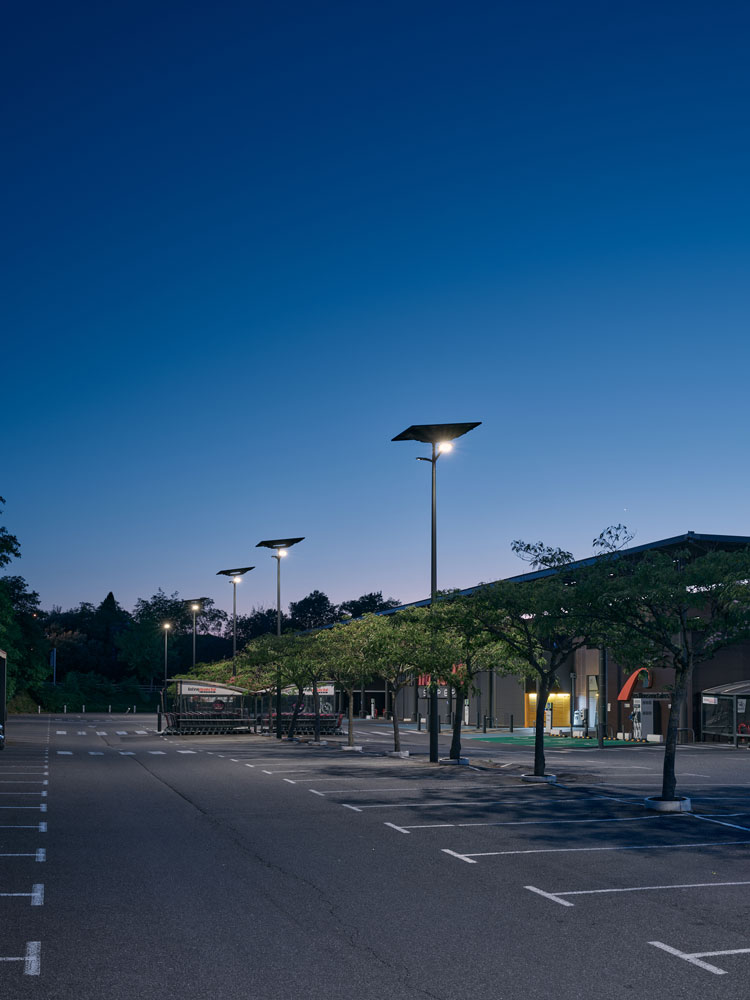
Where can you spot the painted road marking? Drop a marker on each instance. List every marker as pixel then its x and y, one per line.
pixel 39 855
pixel 316 792
pixel 41 808
pixel 557 896
pixel 696 956
pixel 141 732
pixel 30 959
pixel 96 753
pixel 289 781
pixel 459 802
pixel 65 753
pixel 41 827
pixel 157 753
pixel 355 809
pixel 709 819
pixel 98 733
pixel 61 732
pixel 187 751
pixel 583 850
pixel 36 895
pixel 81 732
pixel 521 822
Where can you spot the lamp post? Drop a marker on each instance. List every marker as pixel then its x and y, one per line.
pixel 195 607
pixel 440 437
pixel 235 576
pixel 166 626
pixel 279 546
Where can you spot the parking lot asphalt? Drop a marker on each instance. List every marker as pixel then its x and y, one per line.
pixel 247 866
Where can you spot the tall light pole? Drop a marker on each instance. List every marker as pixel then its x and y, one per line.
pixel 195 607
pixel 166 626
pixel 440 437
pixel 235 576
pixel 279 546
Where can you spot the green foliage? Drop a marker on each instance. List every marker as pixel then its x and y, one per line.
pixel 22 634
pixel 313 611
pixel 367 604
pixel 9 545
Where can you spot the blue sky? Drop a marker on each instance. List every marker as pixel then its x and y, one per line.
pixel 247 244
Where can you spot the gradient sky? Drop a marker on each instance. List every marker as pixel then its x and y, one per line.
pixel 248 243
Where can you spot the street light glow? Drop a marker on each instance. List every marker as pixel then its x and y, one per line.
pixel 282 552
pixel 444 447
pixel 195 607
pixel 166 625
pixel 236 579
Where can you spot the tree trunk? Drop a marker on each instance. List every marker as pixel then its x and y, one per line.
pixel 295 713
pixel 545 686
pixel 394 717
pixel 316 709
pixel 455 751
pixel 350 717
pixel 669 778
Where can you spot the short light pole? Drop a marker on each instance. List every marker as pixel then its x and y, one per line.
pixel 235 576
pixel 279 546
pixel 166 626
pixel 440 437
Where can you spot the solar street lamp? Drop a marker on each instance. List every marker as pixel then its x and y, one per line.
pixel 440 437
pixel 235 576
pixel 166 626
pixel 195 607
pixel 279 546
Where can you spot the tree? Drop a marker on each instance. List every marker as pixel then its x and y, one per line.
pixel 541 622
pixel 349 652
pixel 260 621
pixel 22 635
pixel 673 609
pixel 407 644
pixel 313 611
pixel 473 649
pixel 368 604
pixel 9 544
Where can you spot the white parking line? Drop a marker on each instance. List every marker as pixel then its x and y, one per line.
pixel 36 895
pixel 157 753
pixel 96 753
pixel 557 896
pixel 65 753
pixel 187 751
pixel 38 855
pixel 696 956
pixel 709 819
pixel 30 959
pixel 41 827
pixel 585 850
pixel 98 733
pixel 524 822
pixel 459 802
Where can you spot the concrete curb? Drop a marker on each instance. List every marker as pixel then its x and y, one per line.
pixel 549 779
pixel 680 804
